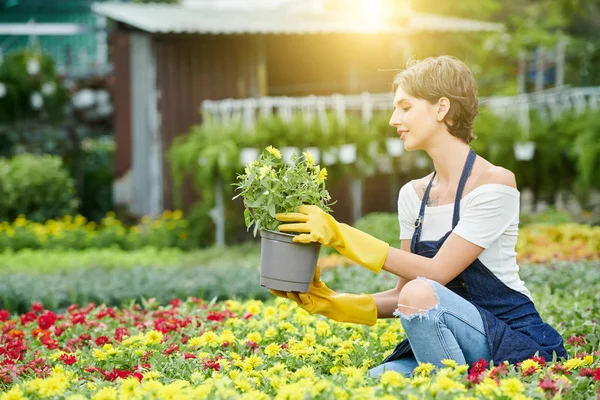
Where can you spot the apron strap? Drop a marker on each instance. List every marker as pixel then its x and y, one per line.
pixel 461 185
pixel 419 221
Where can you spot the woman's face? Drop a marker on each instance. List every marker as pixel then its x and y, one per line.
pixel 416 120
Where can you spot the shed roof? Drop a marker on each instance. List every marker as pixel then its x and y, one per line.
pixel 166 18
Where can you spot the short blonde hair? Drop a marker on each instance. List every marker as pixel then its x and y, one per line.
pixel 444 76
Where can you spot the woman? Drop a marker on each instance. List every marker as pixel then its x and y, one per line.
pixel 459 295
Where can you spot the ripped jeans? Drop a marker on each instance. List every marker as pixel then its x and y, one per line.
pixel 452 329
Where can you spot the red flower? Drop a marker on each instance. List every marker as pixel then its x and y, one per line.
pixel 47 320
pixel 212 364
pixel 586 372
pixel 28 317
pixel 68 359
pixel 558 367
pixel 479 366
pixel 4 315
pixel 184 339
pixel 188 355
pixel 251 345
pixel 173 348
pixel 175 303
pixel 597 374
pixel 548 384
pixel 578 340
pixel 78 318
pixel 539 359
pixel 120 333
pixel 37 307
pixel 101 340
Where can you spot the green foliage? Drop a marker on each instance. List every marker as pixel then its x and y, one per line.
pixel 169 230
pixel 269 185
pixel 118 287
pixel 59 260
pixel 383 226
pixel 38 187
pixel 15 105
pixel 98 158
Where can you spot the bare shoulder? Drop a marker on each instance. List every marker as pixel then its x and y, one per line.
pixel 493 174
pixel 420 184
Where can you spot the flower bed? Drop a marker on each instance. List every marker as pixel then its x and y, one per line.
pixel 253 350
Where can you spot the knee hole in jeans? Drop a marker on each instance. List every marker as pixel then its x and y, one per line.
pixel 417 297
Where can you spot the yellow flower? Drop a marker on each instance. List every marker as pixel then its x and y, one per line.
pixel 449 363
pixel 309 158
pixel 209 338
pixel 271 332
pixel 227 336
pixel 272 349
pixel 254 337
pixel 323 328
pixel 393 379
pixel 153 337
pixel 588 360
pixel 14 393
pixel 106 393
pixel 322 176
pixel 264 171
pixel 250 363
pixel 274 151
pixel 424 369
pixel 387 339
pixel 528 364
pixel 151 375
pixel 574 363
pixel 511 387
pixel 444 384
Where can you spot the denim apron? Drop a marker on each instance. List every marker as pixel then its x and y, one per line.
pixel 514 328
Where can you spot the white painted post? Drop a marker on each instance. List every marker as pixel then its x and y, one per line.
pixel 218 213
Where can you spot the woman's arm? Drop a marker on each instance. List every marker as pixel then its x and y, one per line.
pixel 387 301
pixel 455 255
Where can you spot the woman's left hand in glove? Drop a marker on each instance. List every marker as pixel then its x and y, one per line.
pixel 315 225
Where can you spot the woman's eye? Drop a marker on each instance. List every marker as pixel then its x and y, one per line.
pixel 405 109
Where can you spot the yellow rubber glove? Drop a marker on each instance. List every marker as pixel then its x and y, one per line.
pixel 341 307
pixel 318 226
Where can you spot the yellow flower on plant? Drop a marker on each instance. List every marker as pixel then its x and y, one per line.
pixel 14 393
pixel 444 384
pixel 153 337
pixel 272 350
pixel 388 339
pixel 274 151
pixel 209 338
pixel 106 393
pixel 129 389
pixel 424 369
pixel 271 332
pixel 151 375
pixel 323 328
pixel 322 176
pixel 252 362
pixel 309 158
pixel 574 363
pixel 393 379
pixel 254 337
pixel 529 364
pixel 264 171
pixel 449 363
pixel 227 336
pixel 487 388
pixel 511 387
pixel 100 355
pixel 588 360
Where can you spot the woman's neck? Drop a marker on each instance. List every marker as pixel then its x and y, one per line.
pixel 448 155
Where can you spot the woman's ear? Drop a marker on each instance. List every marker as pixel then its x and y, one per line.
pixel 443 108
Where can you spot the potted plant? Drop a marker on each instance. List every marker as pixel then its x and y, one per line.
pixel 270 185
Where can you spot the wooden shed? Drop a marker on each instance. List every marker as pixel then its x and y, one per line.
pixel 167 59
